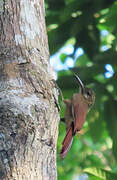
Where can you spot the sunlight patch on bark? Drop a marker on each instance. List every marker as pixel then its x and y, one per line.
pixel 30 25
pixel 19 39
pixel 21 102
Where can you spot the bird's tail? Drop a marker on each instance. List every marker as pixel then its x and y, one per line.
pixel 67 142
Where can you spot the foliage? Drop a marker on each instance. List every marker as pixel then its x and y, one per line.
pixel 85 21
pixel 100 174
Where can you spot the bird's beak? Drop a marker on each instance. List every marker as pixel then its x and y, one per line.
pixel 80 83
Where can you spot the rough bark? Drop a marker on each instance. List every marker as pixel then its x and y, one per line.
pixel 28 97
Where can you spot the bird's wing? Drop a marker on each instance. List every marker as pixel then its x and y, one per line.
pixel 79 111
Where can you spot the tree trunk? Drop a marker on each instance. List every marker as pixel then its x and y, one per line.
pixel 28 97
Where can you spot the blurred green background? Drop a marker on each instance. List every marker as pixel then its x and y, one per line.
pixel 88 30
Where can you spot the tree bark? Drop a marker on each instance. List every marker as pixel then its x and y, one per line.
pixel 28 97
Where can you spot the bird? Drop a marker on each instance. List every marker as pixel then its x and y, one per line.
pixel 75 115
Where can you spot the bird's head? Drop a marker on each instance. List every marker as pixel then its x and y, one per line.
pixel 87 93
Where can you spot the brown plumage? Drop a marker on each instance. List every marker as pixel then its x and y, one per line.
pixel 66 144
pixel 76 110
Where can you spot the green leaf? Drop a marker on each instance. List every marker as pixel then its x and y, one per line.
pixel 101 173
pixel 63 57
pixel 83 61
pixel 111 120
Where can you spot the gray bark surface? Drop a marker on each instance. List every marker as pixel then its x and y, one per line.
pixel 28 97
